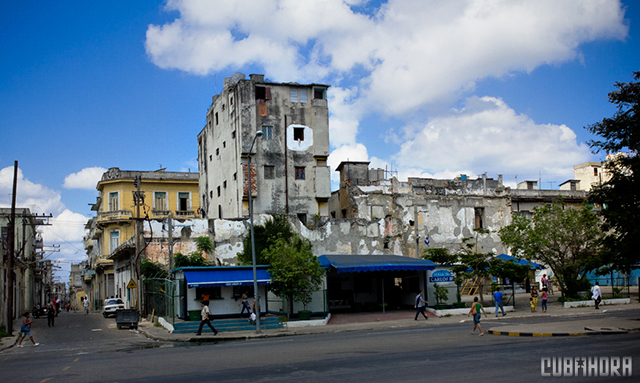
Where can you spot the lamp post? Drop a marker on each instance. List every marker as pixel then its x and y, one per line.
pixel 253 245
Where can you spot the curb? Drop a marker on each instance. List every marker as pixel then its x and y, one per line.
pixel 540 334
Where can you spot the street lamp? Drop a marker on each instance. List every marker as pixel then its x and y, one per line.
pixel 253 244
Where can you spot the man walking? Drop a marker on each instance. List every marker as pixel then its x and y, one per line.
pixel 204 318
pixel 420 306
pixel 86 305
pixel 596 295
pixel 497 297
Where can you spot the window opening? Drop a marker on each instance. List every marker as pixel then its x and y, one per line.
pixel 218 191
pixel 303 95
pixel 160 200
pixel 113 201
pixel 269 172
pixel 267 132
pixel 298 134
pixel 114 241
pixel 303 218
pixel 479 217
pixel 293 94
pixel 299 172
pixel 183 201
pixel 216 118
pixel 261 93
pixel 319 94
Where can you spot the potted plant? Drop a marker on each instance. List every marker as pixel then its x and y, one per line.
pixel 442 295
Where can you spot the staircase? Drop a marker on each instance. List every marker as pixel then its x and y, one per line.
pixel 470 286
pixel 227 325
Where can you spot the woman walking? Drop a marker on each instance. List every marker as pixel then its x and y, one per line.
pixel 26 330
pixel 476 309
pixel 544 300
pixel 51 314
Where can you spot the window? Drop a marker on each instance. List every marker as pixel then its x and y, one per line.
pixel 224 144
pixel 479 217
pixel 231 101
pixel 298 134
pixel 183 201
pixel 216 118
pixel 293 94
pixel 319 93
pixel 595 172
pixel 219 211
pixel 210 193
pixel 223 107
pixel 262 93
pixel 299 172
pixel 208 293
pixel 267 132
pixel 114 204
pixel 160 200
pixel 343 212
pixel 303 218
pixel 218 191
pixel 233 134
pixel 217 151
pixel 269 172
pixel 303 95
pixel 235 176
pixel 210 157
pixel 114 240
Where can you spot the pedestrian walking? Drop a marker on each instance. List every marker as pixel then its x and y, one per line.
pixel 244 301
pixel 544 281
pixel 476 310
pixel 205 318
pixel 534 299
pixel 86 305
pixel 255 309
pixel 420 305
pixel 596 295
pixel 25 329
pixel 544 300
pixel 51 314
pixel 550 285
pixel 497 298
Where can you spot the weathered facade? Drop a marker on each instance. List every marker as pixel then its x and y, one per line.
pixel 111 239
pixel 288 163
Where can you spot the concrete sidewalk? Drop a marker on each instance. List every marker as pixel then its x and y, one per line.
pixel 586 321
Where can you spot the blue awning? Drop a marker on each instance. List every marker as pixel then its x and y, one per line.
pixel 519 261
pixel 360 263
pixel 225 276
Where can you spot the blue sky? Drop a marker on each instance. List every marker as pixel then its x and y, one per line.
pixel 428 88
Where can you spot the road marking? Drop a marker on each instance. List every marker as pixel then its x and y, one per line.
pixel 42 381
pixel 97 329
pixel 66 368
pixel 77 359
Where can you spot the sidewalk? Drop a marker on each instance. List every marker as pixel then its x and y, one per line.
pixel 585 317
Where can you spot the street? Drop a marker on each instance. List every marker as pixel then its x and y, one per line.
pixel 90 349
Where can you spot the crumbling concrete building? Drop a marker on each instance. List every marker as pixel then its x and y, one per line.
pixel 288 162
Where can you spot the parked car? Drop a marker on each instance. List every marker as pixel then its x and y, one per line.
pixel 111 305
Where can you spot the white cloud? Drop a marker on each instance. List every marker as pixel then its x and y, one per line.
pixel 66 227
pixel 411 53
pixel 37 198
pixel 489 136
pixel 86 178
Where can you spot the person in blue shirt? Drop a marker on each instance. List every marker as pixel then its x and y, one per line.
pixel 497 297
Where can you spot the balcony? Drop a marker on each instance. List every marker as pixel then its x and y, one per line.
pixel 160 213
pixel 117 215
pixel 184 214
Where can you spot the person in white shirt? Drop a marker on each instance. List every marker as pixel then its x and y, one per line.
pixel 596 294
pixel 204 318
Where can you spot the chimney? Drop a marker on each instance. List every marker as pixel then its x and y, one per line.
pixel 256 77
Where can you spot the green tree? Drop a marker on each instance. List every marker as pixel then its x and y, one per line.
pixel 620 195
pixel 205 245
pixel 295 272
pixel 191 260
pixel 265 236
pixel 567 240
pixel 150 269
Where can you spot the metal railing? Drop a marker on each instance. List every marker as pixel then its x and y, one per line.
pixel 159 298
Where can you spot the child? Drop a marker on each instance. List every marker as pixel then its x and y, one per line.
pixel 533 305
pixel 26 330
pixel 544 300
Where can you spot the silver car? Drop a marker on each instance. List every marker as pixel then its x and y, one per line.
pixel 111 305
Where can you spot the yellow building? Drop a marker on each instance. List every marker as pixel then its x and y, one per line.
pixel 111 242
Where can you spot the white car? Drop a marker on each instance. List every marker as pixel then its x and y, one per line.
pixel 111 305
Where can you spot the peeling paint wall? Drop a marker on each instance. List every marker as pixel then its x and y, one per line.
pixel 185 233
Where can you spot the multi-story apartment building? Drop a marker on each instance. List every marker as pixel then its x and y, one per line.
pixel 111 239
pixel 288 163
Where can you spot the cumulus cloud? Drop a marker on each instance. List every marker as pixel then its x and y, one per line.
pixel 486 132
pixel 398 60
pixel 410 52
pixel 37 198
pixel 86 178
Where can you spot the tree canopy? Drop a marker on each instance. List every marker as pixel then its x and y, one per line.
pixel 568 240
pixel 619 196
pixel 295 272
pixel 265 236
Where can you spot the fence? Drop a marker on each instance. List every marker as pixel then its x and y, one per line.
pixel 159 298
pixel 617 286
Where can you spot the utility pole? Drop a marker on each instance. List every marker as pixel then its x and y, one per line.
pixel 170 239
pixel 10 250
pixel 138 200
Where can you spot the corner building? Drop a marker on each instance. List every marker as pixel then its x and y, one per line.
pixel 288 163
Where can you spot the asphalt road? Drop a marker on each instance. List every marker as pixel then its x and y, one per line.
pixel 89 349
